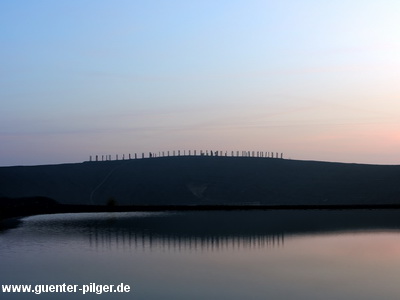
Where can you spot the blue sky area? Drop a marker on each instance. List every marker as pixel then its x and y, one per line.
pixel 316 80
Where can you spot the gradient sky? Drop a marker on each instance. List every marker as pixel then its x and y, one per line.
pixel 316 80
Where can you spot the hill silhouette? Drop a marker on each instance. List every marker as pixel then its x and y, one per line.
pixel 207 181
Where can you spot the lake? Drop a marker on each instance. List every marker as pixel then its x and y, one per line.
pixel 272 254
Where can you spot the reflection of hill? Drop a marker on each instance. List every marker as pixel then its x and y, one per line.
pixel 206 181
pixel 209 230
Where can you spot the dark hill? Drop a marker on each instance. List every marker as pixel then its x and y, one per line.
pixel 206 180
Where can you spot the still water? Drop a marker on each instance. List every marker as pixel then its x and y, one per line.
pixel 208 255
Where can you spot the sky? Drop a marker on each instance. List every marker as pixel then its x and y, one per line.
pixel 314 80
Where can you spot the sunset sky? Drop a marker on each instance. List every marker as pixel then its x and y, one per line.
pixel 316 80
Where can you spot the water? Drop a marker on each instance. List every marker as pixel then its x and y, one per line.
pixel 208 255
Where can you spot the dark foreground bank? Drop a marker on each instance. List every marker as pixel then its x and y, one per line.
pixel 203 181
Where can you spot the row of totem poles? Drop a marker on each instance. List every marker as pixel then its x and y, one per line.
pixel 188 153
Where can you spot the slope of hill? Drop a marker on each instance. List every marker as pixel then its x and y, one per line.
pixel 206 180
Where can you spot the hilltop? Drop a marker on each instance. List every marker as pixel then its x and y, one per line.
pixel 205 180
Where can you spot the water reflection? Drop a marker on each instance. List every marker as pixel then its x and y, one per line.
pixel 133 240
pixel 206 230
pixel 210 255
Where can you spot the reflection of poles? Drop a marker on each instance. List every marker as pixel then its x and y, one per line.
pixel 147 241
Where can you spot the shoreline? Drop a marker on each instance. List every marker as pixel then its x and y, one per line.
pixel 70 208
